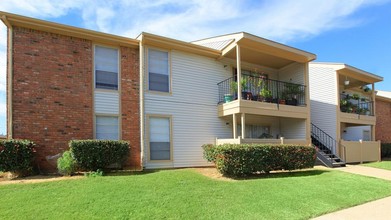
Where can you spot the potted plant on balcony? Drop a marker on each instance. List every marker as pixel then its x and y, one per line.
pixel 366 88
pixel 255 83
pixel 282 99
pixel 346 106
pixel 355 96
pixel 292 91
pixel 245 94
pixel 266 95
pixel 233 92
pixel 363 111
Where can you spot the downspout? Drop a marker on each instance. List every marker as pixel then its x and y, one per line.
pixel 308 101
pixel 9 76
pixel 141 91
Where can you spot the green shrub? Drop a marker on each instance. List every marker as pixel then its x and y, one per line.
pixel 16 156
pixel 91 155
pixel 386 150
pixel 209 152
pixel 245 159
pixel 66 164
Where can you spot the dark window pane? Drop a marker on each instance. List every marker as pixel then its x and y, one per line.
pixel 159 150
pixel 106 80
pixel 158 82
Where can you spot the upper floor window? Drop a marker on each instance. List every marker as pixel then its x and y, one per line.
pixel 106 68
pixel 158 71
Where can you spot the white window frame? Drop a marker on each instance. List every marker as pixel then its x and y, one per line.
pixel 106 115
pixel 169 71
pixel 118 68
pixel 169 117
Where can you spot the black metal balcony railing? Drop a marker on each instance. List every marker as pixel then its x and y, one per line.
pixel 258 88
pixel 356 105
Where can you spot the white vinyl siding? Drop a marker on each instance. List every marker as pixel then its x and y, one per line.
pixel 293 73
pixel 193 106
pixel 106 102
pixel 158 71
pixel 107 128
pixel 106 68
pixel 159 138
pixel 292 128
pixel 324 98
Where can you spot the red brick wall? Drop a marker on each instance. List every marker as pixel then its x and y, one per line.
pixel 130 107
pixel 383 121
pixel 53 93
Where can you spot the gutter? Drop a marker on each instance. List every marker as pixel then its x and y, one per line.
pixel 141 94
pixel 9 76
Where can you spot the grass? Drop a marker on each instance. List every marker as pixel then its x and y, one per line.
pixel 186 194
pixel 386 165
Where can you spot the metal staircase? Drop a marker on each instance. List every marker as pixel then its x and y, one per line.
pixel 325 146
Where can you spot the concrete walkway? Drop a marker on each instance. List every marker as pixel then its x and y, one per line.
pixel 379 209
pixel 367 171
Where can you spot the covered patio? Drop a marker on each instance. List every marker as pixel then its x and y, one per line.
pixel 252 128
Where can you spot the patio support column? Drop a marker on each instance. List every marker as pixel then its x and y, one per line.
pixel 374 111
pixel 234 126
pixel 238 72
pixel 243 124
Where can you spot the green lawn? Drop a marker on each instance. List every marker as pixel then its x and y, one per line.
pixel 185 194
pixel 382 165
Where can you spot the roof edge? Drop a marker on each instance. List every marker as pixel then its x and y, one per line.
pixel 341 66
pixel 310 56
pixel 148 38
pixel 67 30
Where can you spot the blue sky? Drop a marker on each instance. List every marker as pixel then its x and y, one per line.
pixel 356 32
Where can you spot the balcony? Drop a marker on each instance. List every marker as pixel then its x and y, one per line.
pixel 356 105
pixel 262 96
pixel 357 110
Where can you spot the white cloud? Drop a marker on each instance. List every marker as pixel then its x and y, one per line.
pixel 283 20
pixel 41 8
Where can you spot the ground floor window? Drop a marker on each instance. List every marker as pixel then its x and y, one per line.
pixel 106 128
pixel 159 138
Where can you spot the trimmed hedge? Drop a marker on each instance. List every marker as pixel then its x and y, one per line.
pixel 16 156
pixel 386 150
pixel 246 159
pixel 209 152
pixel 91 155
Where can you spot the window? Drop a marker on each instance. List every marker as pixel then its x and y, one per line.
pixel 107 128
pixel 158 68
pixel 106 68
pixel 159 138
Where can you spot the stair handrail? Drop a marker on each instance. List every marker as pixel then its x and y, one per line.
pixel 321 140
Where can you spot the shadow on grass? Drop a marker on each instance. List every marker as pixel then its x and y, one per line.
pixel 284 174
